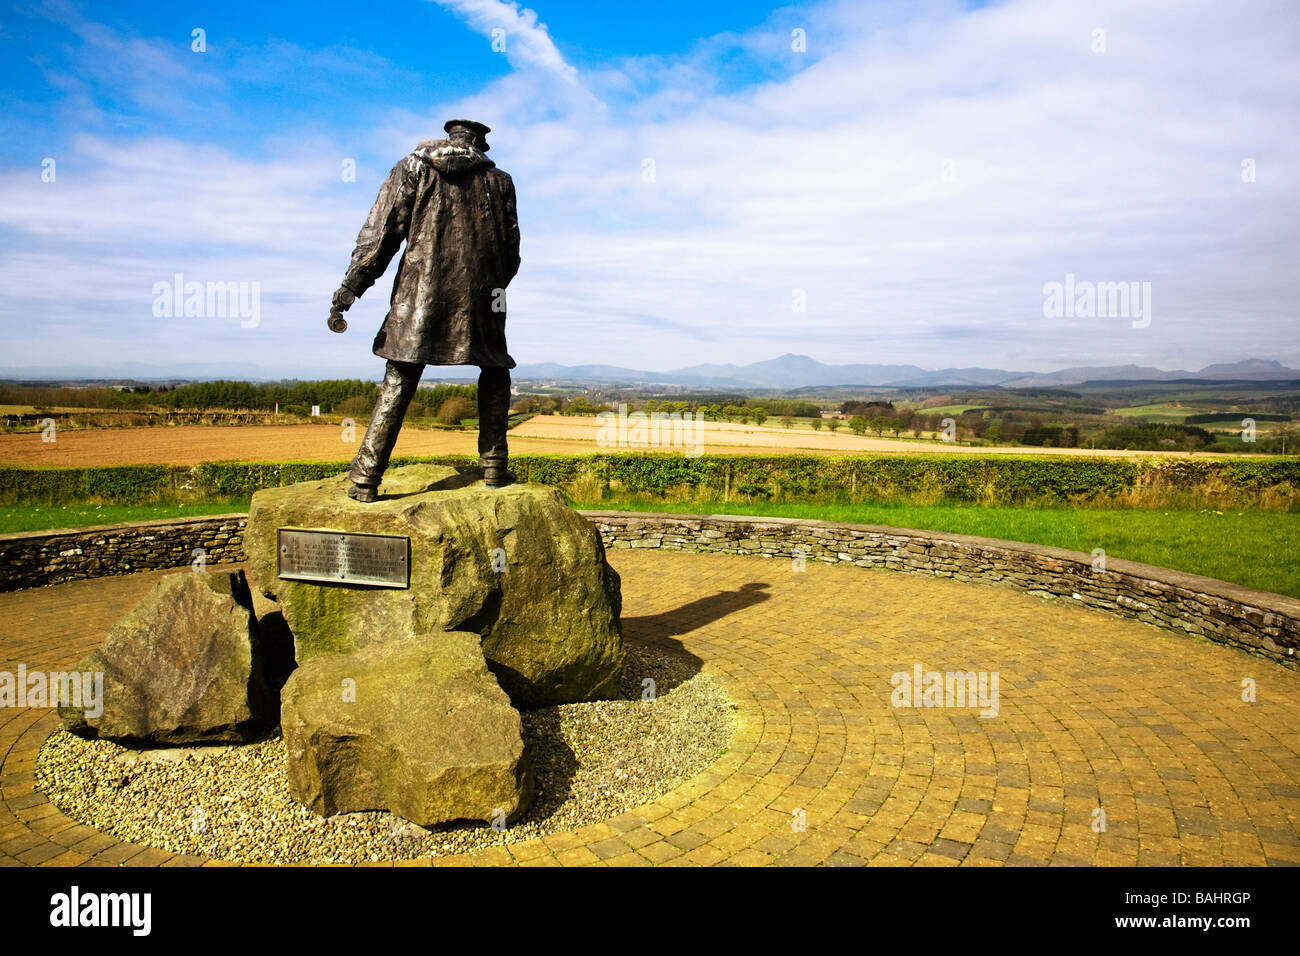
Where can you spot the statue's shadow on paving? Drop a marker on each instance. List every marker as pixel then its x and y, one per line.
pixel 663 627
pixel 657 635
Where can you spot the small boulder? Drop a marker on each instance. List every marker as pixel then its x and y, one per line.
pixel 183 666
pixel 418 727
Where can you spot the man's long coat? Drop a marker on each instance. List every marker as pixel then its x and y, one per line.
pixel 456 212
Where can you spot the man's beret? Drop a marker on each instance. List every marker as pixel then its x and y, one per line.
pixel 478 129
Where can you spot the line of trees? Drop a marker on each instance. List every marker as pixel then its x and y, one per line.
pixel 99 397
pixel 757 411
pixel 292 397
pixel 265 395
pixel 1155 436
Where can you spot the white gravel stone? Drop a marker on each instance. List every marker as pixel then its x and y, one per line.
pixel 592 761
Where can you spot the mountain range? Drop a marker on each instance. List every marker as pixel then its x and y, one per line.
pixel 788 371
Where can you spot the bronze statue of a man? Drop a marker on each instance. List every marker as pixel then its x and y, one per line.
pixel 456 212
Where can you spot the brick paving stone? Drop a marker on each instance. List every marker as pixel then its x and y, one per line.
pixel 612 847
pixel 629 859
pixel 117 855
pixel 150 856
pixel 1093 711
pixel 40 853
pixel 660 851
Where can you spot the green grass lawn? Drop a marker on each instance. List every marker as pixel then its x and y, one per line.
pixel 1161 411
pixel 40 517
pixel 948 409
pixel 1260 550
pixel 1257 549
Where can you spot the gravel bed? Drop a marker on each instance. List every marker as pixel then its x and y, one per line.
pixel 592 761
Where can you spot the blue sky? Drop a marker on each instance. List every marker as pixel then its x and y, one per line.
pixel 913 176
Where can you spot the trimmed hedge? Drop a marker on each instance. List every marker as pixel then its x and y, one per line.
pixel 124 483
pixel 957 477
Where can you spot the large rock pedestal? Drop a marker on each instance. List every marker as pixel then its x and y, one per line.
pixel 514 565
pixel 419 727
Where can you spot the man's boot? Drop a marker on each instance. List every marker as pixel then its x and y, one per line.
pixel 498 476
pixel 365 493
pixel 493 417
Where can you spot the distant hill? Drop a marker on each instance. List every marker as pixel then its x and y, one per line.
pixel 1255 369
pixel 799 371
pixel 785 372
pixel 796 371
pixel 1246 370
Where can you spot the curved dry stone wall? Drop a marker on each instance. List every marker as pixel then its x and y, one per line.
pixel 35 558
pixel 1257 621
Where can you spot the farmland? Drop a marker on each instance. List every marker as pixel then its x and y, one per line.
pixel 193 444
pixel 1154 417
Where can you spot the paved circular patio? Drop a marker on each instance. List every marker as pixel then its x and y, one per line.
pixel 1093 713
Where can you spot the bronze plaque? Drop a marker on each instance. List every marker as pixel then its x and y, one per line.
pixel 344 557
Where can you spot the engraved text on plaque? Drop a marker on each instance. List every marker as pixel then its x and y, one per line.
pixel 344 557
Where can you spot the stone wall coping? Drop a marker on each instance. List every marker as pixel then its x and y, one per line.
pixel 1214 587
pixel 120 526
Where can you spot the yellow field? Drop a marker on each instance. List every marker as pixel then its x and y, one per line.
pixel 192 444
pixel 729 438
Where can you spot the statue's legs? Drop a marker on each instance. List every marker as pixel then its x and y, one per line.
pixel 493 415
pixel 400 382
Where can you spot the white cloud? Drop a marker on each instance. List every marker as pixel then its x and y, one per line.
pixel 522 37
pixel 828 177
